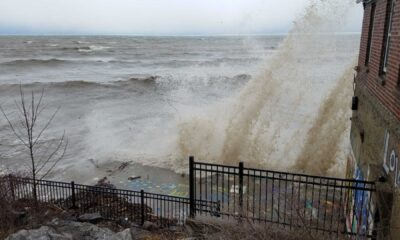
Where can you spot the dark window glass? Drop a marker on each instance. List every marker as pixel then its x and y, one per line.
pixel 370 31
pixel 388 36
pixel 398 77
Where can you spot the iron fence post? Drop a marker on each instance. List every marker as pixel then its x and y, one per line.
pixel 10 179
pixel 142 206
pixel 73 194
pixel 241 166
pixel 218 210
pixel 192 207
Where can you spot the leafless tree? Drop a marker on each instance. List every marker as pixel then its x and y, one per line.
pixel 29 129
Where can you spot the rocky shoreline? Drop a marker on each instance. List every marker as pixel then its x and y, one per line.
pixel 94 227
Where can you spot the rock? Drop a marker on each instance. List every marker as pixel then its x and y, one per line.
pixel 43 233
pixel 124 235
pixel 150 226
pixel 123 222
pixel 68 215
pixel 88 231
pixel 139 233
pixel 68 230
pixel 90 217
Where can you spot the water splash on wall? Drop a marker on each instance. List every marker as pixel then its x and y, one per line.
pixel 281 119
pixel 328 140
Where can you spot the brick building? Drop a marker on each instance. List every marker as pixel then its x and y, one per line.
pixel 375 131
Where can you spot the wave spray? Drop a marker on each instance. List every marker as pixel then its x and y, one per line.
pixel 294 114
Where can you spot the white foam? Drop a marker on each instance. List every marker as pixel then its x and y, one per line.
pixel 268 122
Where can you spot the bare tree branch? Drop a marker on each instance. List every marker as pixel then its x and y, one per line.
pixel 24 129
pixel 12 127
pixel 52 154
pixel 46 126
pixel 17 106
pixel 57 160
pixel 38 105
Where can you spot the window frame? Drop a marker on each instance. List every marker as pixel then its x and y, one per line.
pixel 370 34
pixel 398 77
pixel 387 36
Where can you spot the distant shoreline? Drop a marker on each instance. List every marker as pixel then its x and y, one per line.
pixel 162 36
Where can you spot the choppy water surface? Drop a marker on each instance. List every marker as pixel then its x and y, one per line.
pixel 121 97
pixel 125 99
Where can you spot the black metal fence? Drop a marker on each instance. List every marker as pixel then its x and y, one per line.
pixel 330 205
pixel 112 204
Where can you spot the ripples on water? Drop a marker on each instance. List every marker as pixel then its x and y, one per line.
pixel 122 98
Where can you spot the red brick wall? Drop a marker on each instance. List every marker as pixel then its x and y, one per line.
pixel 370 76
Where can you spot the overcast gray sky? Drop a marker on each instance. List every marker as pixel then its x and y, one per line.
pixel 155 17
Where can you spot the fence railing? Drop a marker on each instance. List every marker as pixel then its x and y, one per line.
pixel 331 205
pixel 112 204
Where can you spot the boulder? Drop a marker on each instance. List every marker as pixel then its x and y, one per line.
pixel 43 233
pixel 86 231
pixel 150 226
pixel 69 230
pixel 139 233
pixel 124 235
pixel 90 217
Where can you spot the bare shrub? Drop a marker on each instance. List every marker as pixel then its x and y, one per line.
pixel 29 130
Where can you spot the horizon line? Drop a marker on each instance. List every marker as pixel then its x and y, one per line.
pixel 170 35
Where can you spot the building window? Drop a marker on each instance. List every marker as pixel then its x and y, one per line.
pixel 398 77
pixel 387 37
pixel 370 31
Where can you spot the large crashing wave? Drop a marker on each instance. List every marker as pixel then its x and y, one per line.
pixel 294 115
